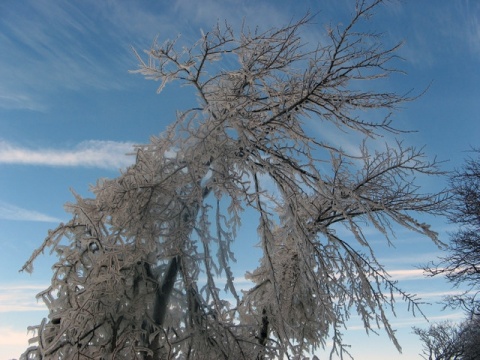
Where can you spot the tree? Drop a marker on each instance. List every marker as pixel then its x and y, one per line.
pixel 440 341
pixel 470 338
pixel 449 341
pixel 461 267
pixel 462 264
pixel 141 264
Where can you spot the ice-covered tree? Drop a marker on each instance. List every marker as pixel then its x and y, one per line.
pixel 440 341
pixel 449 341
pixel 461 265
pixel 144 267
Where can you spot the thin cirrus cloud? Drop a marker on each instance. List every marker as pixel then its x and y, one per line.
pixel 20 298
pixel 99 154
pixel 54 45
pixel 407 274
pixel 419 320
pixel 17 100
pixel 12 212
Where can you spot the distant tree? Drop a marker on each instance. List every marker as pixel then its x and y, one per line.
pixel 141 265
pixel 440 341
pixel 461 267
pixel 470 338
pixel 449 341
pixel 462 264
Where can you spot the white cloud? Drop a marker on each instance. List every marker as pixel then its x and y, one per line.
pixel 431 295
pixel 12 212
pixel 419 259
pixel 420 320
pixel 412 274
pixel 408 322
pixel 101 154
pixel 20 298
pixel 18 101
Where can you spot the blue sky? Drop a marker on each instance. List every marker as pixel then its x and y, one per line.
pixel 70 111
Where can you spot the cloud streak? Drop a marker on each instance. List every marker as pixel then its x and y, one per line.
pixel 12 212
pixel 417 321
pixel 99 154
pixel 407 274
pixel 53 46
pixel 21 298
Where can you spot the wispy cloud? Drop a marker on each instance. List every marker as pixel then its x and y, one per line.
pixel 466 31
pixel 52 46
pixel 456 30
pixel 419 259
pixel 11 100
pixel 83 45
pixel 406 274
pixel 408 322
pixel 462 36
pixel 210 11
pixel 21 298
pixel 12 212
pixel 100 154
pixel 439 295
pixel 420 321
